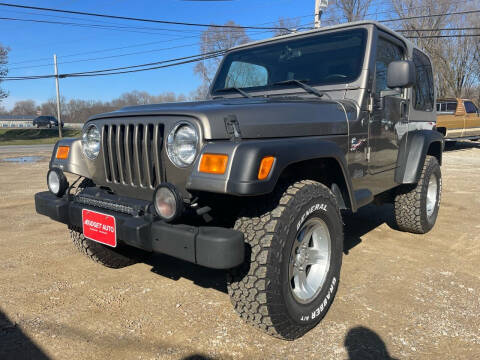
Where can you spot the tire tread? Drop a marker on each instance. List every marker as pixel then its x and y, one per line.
pixel 248 285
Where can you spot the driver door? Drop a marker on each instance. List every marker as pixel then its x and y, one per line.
pixel 389 107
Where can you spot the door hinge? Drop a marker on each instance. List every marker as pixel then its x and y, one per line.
pixel 370 104
pixel 233 127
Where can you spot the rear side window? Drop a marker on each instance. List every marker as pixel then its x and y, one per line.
pixel 446 107
pixel 452 106
pixel 423 92
pixel 470 107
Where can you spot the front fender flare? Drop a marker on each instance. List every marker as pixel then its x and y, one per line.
pixel 245 157
pixel 75 163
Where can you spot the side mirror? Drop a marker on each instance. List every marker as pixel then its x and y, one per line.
pixel 401 74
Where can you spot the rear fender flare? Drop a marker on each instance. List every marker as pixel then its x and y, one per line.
pixel 411 156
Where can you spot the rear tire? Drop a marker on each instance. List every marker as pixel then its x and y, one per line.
pixel 268 290
pixel 416 207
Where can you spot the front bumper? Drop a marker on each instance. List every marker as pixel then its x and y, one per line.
pixel 212 247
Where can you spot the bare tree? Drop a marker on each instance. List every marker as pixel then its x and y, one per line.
pixel 455 59
pixel 3 68
pixel 286 26
pixel 217 39
pixel 78 111
pixel 24 107
pixel 347 10
pixel 49 107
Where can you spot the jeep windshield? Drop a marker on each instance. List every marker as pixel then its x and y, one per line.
pixel 321 59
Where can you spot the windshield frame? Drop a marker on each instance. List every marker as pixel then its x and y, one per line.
pixel 292 88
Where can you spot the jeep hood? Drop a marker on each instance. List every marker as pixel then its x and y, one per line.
pixel 257 117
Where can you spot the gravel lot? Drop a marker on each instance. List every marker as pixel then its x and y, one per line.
pixel 402 296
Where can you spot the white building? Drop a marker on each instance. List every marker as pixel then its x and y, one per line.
pixel 16 121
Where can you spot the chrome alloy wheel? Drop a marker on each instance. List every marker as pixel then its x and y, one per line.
pixel 310 260
pixel 432 195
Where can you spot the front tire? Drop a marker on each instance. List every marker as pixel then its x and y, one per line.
pixel 115 258
pixel 292 273
pixel 416 207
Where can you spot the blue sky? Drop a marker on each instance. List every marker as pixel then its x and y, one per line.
pixel 32 41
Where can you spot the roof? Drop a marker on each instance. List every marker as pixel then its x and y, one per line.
pixel 453 99
pixel 325 29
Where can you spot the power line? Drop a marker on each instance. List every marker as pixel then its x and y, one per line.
pixel 101 50
pixel 111 73
pixel 432 15
pixel 87 25
pixel 94 22
pixel 182 60
pixel 136 19
pixel 112 56
pixel 220 52
pixel 172 62
pixel 442 36
pixel 109 27
pixel 103 57
pixel 440 29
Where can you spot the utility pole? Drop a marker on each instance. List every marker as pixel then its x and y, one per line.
pixel 59 115
pixel 320 6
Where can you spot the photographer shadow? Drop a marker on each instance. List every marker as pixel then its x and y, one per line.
pixel 15 344
pixel 362 343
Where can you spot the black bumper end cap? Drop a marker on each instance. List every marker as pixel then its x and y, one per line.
pixel 212 247
pixel 220 248
pixel 52 206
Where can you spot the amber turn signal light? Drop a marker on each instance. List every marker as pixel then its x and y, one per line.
pixel 62 152
pixel 265 167
pixel 213 163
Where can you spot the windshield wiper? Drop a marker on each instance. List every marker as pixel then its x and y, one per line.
pixel 300 83
pixel 244 93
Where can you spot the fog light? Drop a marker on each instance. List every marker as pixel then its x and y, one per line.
pixel 57 182
pixel 167 202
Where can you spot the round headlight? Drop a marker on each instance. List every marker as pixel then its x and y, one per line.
pixel 91 142
pixel 57 182
pixel 182 144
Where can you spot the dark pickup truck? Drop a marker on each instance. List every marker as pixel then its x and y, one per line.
pixel 297 129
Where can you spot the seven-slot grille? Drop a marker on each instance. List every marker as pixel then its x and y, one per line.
pixel 132 154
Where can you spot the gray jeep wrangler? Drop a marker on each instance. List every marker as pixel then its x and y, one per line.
pixel 297 128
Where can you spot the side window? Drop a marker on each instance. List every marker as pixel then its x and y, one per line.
pixel 470 107
pixel 452 106
pixel 244 75
pixel 386 53
pixel 423 92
